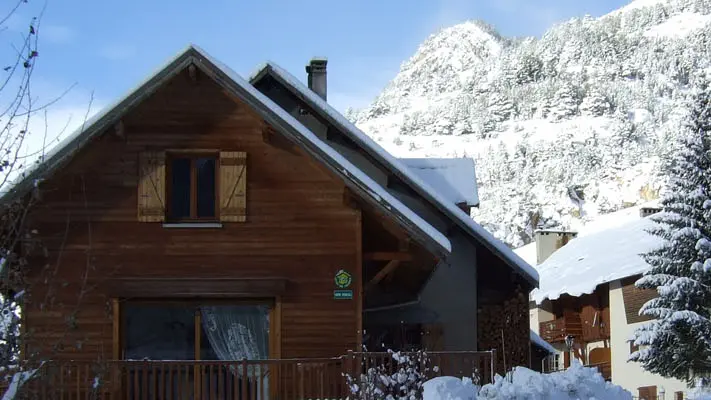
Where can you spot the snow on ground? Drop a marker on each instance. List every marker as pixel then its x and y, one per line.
pixel 386 132
pixel 450 388
pixel 18 379
pixel 600 257
pixel 577 382
pixel 679 25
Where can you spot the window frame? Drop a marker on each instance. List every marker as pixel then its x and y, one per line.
pixel 633 347
pixel 273 303
pixel 192 156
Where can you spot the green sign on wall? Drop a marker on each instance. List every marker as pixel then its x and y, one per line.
pixel 343 280
pixel 343 294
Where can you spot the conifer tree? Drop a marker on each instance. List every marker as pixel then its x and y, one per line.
pixel 678 342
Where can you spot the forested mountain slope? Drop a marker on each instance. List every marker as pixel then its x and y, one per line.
pixel 563 127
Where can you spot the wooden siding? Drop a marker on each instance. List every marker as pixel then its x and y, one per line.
pixel 503 322
pixel 297 229
pixel 634 298
pixel 586 317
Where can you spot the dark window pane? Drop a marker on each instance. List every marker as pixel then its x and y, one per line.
pixel 159 332
pixel 180 188
pixel 205 187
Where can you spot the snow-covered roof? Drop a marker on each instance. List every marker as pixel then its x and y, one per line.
pixel 528 253
pixel 398 168
pixel 542 343
pixel 596 258
pixel 615 219
pixel 269 110
pixel 453 178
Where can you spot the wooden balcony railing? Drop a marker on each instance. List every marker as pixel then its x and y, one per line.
pixel 558 329
pixel 229 380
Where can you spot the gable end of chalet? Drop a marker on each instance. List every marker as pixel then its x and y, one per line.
pixel 152 205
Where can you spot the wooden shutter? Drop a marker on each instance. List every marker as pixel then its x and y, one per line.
pixel 233 186
pixel 151 187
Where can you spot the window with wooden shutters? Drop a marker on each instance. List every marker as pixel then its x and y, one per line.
pixel 233 186
pixel 192 186
pixel 151 187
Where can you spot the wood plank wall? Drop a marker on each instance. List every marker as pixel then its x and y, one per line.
pixel 297 228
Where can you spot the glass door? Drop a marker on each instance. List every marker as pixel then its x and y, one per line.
pixel 223 333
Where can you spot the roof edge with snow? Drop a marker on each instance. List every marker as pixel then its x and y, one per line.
pixel 538 341
pixel 272 114
pixel 397 168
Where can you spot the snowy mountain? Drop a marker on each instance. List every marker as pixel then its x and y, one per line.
pixel 564 127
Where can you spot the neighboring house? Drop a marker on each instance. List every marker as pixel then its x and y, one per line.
pixel 541 352
pixel 205 217
pixel 587 294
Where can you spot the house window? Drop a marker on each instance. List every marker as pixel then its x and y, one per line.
pixel 183 186
pixel 192 187
pixel 222 333
pixel 633 347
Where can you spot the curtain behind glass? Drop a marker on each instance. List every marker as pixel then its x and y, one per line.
pixel 237 332
pixel 240 332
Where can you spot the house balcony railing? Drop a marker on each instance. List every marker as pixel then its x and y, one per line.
pixel 208 380
pixel 557 329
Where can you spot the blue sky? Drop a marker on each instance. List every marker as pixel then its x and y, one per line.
pixel 106 47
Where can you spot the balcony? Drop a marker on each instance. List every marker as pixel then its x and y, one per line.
pixel 557 329
pixel 263 379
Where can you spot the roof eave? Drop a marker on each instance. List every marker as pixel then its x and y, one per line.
pixel 192 55
pixel 267 69
pixel 273 119
pixel 89 129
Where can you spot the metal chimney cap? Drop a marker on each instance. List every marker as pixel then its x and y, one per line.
pixel 319 60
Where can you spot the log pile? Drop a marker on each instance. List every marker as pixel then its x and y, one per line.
pixel 505 327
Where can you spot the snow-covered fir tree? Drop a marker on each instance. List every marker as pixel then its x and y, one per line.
pixel 566 102
pixel 594 104
pixel 678 342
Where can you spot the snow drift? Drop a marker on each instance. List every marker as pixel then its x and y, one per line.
pixel 577 382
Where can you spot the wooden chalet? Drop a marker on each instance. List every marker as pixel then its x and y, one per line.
pixel 584 321
pixel 237 239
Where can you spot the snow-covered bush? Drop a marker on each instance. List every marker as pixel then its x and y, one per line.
pixel 699 394
pixel 450 388
pixel 378 382
pixel 577 382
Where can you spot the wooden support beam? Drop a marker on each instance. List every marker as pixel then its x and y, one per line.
pixel 387 269
pixel 387 256
pixel 119 129
pixel 350 199
pixel 192 72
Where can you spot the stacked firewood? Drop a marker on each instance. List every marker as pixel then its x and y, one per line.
pixel 505 328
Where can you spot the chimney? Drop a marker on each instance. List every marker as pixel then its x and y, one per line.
pixel 549 241
pixel 316 71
